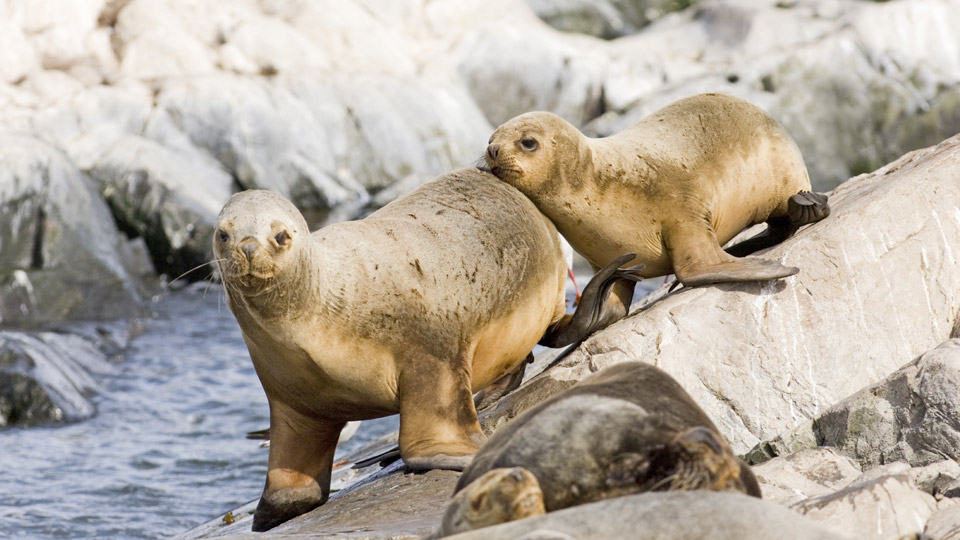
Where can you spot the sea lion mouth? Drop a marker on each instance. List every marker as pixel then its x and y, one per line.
pixel 501 172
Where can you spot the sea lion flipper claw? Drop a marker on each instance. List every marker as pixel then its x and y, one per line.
pixel 807 207
pixel 605 300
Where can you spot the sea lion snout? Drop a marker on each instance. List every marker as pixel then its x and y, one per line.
pixel 493 151
pixel 249 247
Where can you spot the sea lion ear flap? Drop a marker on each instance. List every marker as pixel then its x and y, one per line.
pixel 700 437
pixel 627 469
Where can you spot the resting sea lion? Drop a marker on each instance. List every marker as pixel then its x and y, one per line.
pixel 672 188
pixel 626 429
pixel 410 310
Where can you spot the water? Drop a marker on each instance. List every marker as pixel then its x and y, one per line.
pixel 165 451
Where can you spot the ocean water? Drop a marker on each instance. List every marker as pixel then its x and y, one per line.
pixel 166 449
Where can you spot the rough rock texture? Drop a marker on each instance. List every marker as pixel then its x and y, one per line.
pixel 48 377
pixel 813 472
pixel 882 508
pixel 944 524
pixel 675 515
pixel 913 416
pixel 392 503
pixel 606 19
pixel 762 358
pixel 849 80
pixel 60 253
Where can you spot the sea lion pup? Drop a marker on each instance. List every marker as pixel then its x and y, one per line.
pixel 672 188
pixel 410 310
pixel 626 429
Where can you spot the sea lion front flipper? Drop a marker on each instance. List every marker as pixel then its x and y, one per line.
pixel 498 496
pixel 803 208
pixel 299 466
pixel 438 422
pixel 605 300
pixel 697 259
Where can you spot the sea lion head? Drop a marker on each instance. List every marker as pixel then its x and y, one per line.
pixel 499 496
pixel 699 458
pixel 537 152
pixel 258 240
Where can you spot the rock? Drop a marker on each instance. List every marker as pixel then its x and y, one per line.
pixel 802 64
pixel 17 57
pixel 61 252
pixel 672 515
pixel 47 377
pixel 263 136
pixel 910 416
pixel 883 508
pixel 809 473
pixel 944 524
pixel 562 74
pixel 760 358
pixel 170 198
pixel 935 478
pixel 392 504
pixel 606 19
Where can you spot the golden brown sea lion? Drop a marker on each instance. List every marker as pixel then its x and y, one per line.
pixel 628 428
pixel 672 188
pixel 410 310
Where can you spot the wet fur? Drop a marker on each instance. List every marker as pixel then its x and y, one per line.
pixel 626 429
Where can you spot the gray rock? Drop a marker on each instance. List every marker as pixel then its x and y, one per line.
pixel 674 515
pixel 170 198
pixel 883 508
pixel 803 64
pixel 761 358
pixel 606 19
pixel 809 473
pixel 935 478
pixel 47 377
pixel 263 136
pixel 911 416
pixel 60 252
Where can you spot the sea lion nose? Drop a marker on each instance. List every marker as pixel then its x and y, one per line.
pixel 493 151
pixel 249 247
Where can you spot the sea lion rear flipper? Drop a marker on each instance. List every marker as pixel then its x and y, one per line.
pixel 605 300
pixel 803 208
pixel 698 260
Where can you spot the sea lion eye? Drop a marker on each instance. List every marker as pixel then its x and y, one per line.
pixel 281 237
pixel 528 144
pixel 222 235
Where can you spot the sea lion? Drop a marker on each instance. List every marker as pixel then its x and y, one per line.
pixel 409 310
pixel 672 188
pixel 499 496
pixel 626 429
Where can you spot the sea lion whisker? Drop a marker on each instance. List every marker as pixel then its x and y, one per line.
pixel 195 268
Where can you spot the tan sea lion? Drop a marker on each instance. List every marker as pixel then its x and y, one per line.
pixel 672 188
pixel 410 310
pixel 626 429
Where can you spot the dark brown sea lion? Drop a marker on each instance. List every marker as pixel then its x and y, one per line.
pixel 626 429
